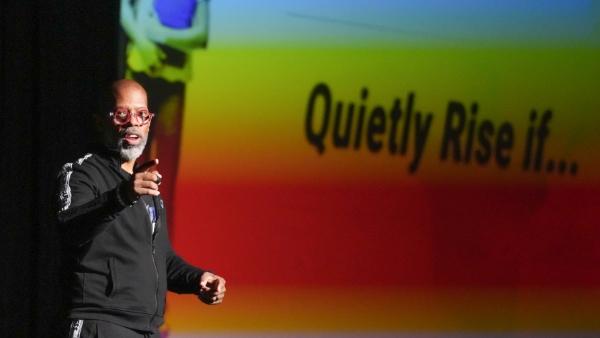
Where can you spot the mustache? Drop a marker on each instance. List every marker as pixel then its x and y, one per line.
pixel 132 131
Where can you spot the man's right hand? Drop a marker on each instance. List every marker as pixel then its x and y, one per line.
pixel 143 181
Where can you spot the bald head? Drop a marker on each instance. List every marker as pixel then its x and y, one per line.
pixel 126 89
pixel 120 88
pixel 125 83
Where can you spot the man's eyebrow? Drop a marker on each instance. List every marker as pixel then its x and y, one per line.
pixel 136 108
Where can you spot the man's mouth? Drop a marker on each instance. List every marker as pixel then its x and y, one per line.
pixel 132 138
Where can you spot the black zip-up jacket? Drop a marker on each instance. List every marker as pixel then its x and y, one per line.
pixel 115 268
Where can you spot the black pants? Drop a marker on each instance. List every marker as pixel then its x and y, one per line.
pixel 89 328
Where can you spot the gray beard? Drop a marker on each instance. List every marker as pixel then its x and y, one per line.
pixel 128 152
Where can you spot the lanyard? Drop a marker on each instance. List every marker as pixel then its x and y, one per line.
pixel 152 214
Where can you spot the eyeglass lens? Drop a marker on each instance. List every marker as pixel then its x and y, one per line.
pixel 122 116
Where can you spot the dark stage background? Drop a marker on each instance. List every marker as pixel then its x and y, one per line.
pixel 54 55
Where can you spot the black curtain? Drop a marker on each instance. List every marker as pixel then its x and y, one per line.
pixel 55 56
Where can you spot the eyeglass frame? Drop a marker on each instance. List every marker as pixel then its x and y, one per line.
pixel 129 113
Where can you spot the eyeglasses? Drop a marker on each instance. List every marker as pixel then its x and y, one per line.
pixel 123 116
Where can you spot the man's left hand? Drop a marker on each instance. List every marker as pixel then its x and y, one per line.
pixel 212 289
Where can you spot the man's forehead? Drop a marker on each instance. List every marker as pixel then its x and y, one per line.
pixel 129 91
pixel 129 96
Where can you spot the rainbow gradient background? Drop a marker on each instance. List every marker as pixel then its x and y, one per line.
pixel 348 242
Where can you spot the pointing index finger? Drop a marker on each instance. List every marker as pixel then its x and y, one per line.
pixel 144 167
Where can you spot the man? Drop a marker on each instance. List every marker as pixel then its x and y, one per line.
pixel 117 255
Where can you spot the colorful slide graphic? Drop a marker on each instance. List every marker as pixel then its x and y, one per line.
pixel 365 168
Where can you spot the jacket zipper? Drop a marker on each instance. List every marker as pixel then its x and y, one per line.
pixel 153 233
pixel 155 292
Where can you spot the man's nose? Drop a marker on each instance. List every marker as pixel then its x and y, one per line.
pixel 133 120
